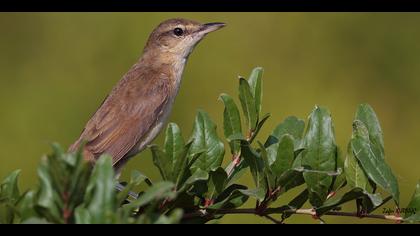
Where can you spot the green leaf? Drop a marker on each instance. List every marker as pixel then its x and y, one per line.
pixel 370 201
pixel 319 155
pixel 355 175
pixel 9 187
pixel 158 191
pixel 340 180
pixel 254 161
pixel 173 218
pixel 77 173
pixel 216 183
pixel 248 104
pixel 337 201
pixel 258 193
pixel 377 205
pixel 236 137
pixel 237 172
pixel 197 176
pixel 135 180
pixel 25 206
pixel 100 198
pixel 174 143
pixel 205 137
pixel 195 190
pixel 299 200
pixel 259 126
pixel 255 84
pixel 162 161
pixel 289 179
pixel 82 216
pixel 367 115
pixel 47 200
pixel 269 178
pixel 35 221
pixel 375 199
pixel 57 149
pixel 296 203
pixel 180 165
pixel 412 213
pixel 63 180
pixel 374 166
pixel 230 198
pixel 292 126
pixel 297 163
pixel 9 195
pixel 138 177
pixel 185 165
pixel 231 122
pixel 281 155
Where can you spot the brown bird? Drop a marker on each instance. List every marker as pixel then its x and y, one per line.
pixel 136 109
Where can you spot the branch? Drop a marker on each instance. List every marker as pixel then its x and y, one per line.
pixel 347 214
pixel 269 211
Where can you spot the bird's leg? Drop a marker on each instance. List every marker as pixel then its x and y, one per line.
pixel 119 187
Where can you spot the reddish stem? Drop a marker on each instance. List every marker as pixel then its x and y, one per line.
pixel 66 211
pixel 208 202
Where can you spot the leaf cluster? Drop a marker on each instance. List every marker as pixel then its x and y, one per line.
pixel 195 187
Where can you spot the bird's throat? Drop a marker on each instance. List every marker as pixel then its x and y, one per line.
pixel 178 70
pixel 169 64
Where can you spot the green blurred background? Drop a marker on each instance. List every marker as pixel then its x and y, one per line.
pixel 56 68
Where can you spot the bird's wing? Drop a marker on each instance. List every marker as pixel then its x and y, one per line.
pixel 125 116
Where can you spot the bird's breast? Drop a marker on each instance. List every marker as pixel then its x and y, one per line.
pixel 175 79
pixel 154 129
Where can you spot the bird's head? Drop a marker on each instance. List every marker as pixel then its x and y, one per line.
pixel 178 37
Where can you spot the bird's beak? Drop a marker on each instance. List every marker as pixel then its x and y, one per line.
pixel 210 27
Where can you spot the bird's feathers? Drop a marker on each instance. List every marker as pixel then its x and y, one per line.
pixel 121 121
pixel 137 108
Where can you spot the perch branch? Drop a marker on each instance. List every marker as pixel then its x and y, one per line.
pixel 270 211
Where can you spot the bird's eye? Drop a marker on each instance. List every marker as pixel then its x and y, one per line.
pixel 178 31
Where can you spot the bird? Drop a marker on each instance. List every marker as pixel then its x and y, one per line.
pixel 138 106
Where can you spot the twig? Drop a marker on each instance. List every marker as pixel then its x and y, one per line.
pixel 269 211
pixel 200 213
